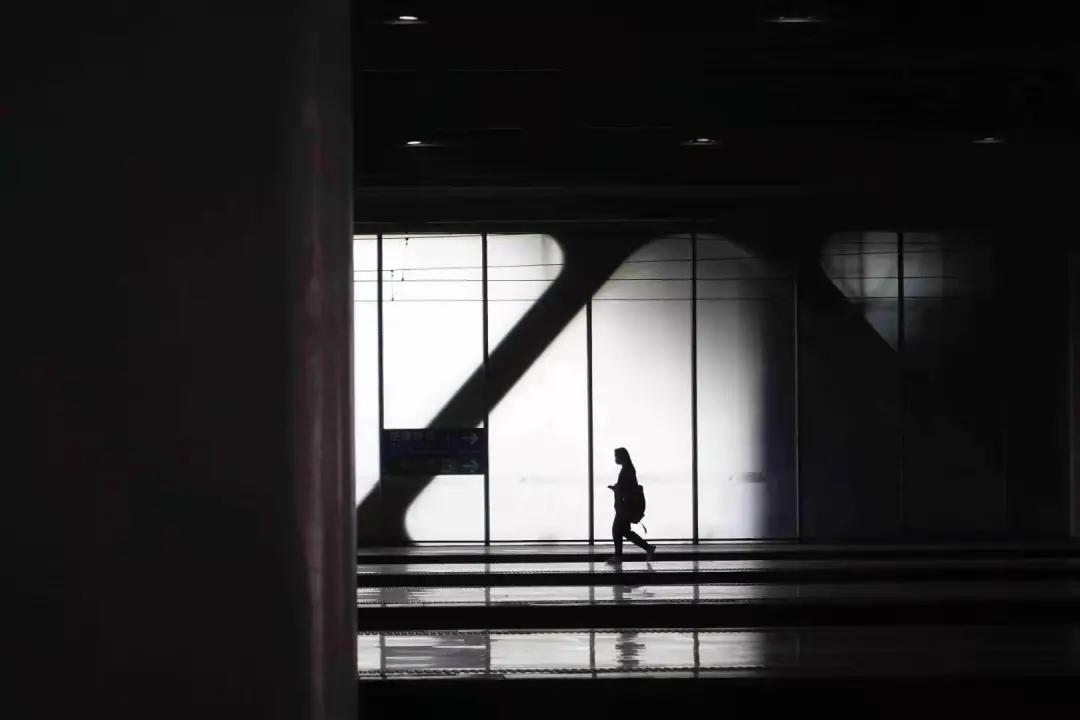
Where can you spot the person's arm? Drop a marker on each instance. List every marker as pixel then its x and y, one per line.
pixel 619 488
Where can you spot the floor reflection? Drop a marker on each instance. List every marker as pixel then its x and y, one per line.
pixel 707 566
pixel 1042 649
pixel 709 593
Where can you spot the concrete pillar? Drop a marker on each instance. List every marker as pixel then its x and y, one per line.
pixel 1074 393
pixel 183 198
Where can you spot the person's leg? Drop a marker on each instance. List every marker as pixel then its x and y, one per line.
pixel 637 539
pixel 617 534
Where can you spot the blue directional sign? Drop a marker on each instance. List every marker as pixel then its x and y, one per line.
pixel 434 451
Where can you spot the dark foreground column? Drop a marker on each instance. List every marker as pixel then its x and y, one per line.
pixel 1074 396
pixel 182 175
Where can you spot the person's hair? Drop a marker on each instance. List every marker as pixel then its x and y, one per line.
pixel 623 455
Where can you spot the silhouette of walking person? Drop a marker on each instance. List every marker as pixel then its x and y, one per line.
pixel 624 488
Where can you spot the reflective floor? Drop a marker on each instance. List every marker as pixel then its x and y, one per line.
pixel 860 651
pixel 734 613
pixel 724 549
pixel 710 593
pixel 637 563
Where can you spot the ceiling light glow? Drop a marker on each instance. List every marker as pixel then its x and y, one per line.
pixel 404 20
pixel 795 19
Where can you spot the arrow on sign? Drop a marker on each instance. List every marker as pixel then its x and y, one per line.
pixel 472 438
pixel 472 466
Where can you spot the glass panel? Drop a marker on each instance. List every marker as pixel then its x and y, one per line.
pixel 953 432
pixel 433 323
pixel 457 650
pixel 849 382
pixel 538 439
pixel 365 364
pixel 535 651
pixel 864 267
pixel 368 653
pixel 945 280
pixel 746 394
pixel 738 648
pixel 432 343
pixel 632 650
pixel 641 385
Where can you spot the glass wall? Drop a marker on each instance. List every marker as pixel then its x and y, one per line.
pixel 851 482
pixel 745 394
pixel 687 356
pixel 953 432
pixel 538 434
pixel 642 395
pixel 642 385
pixel 432 328
pixel 365 364
pixel 864 267
pixel 928 296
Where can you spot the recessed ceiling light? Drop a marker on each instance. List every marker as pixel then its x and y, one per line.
pixel 795 19
pixel 405 20
pixel 701 142
pixel 989 140
pixel 414 143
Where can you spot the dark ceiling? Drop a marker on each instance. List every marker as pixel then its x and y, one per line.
pixel 592 93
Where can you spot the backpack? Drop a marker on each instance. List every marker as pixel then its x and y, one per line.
pixel 635 503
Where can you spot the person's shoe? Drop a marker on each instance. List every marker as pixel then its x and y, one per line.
pixel 614 560
pixel 650 553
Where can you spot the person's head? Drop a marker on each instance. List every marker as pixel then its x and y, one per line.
pixel 622 457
